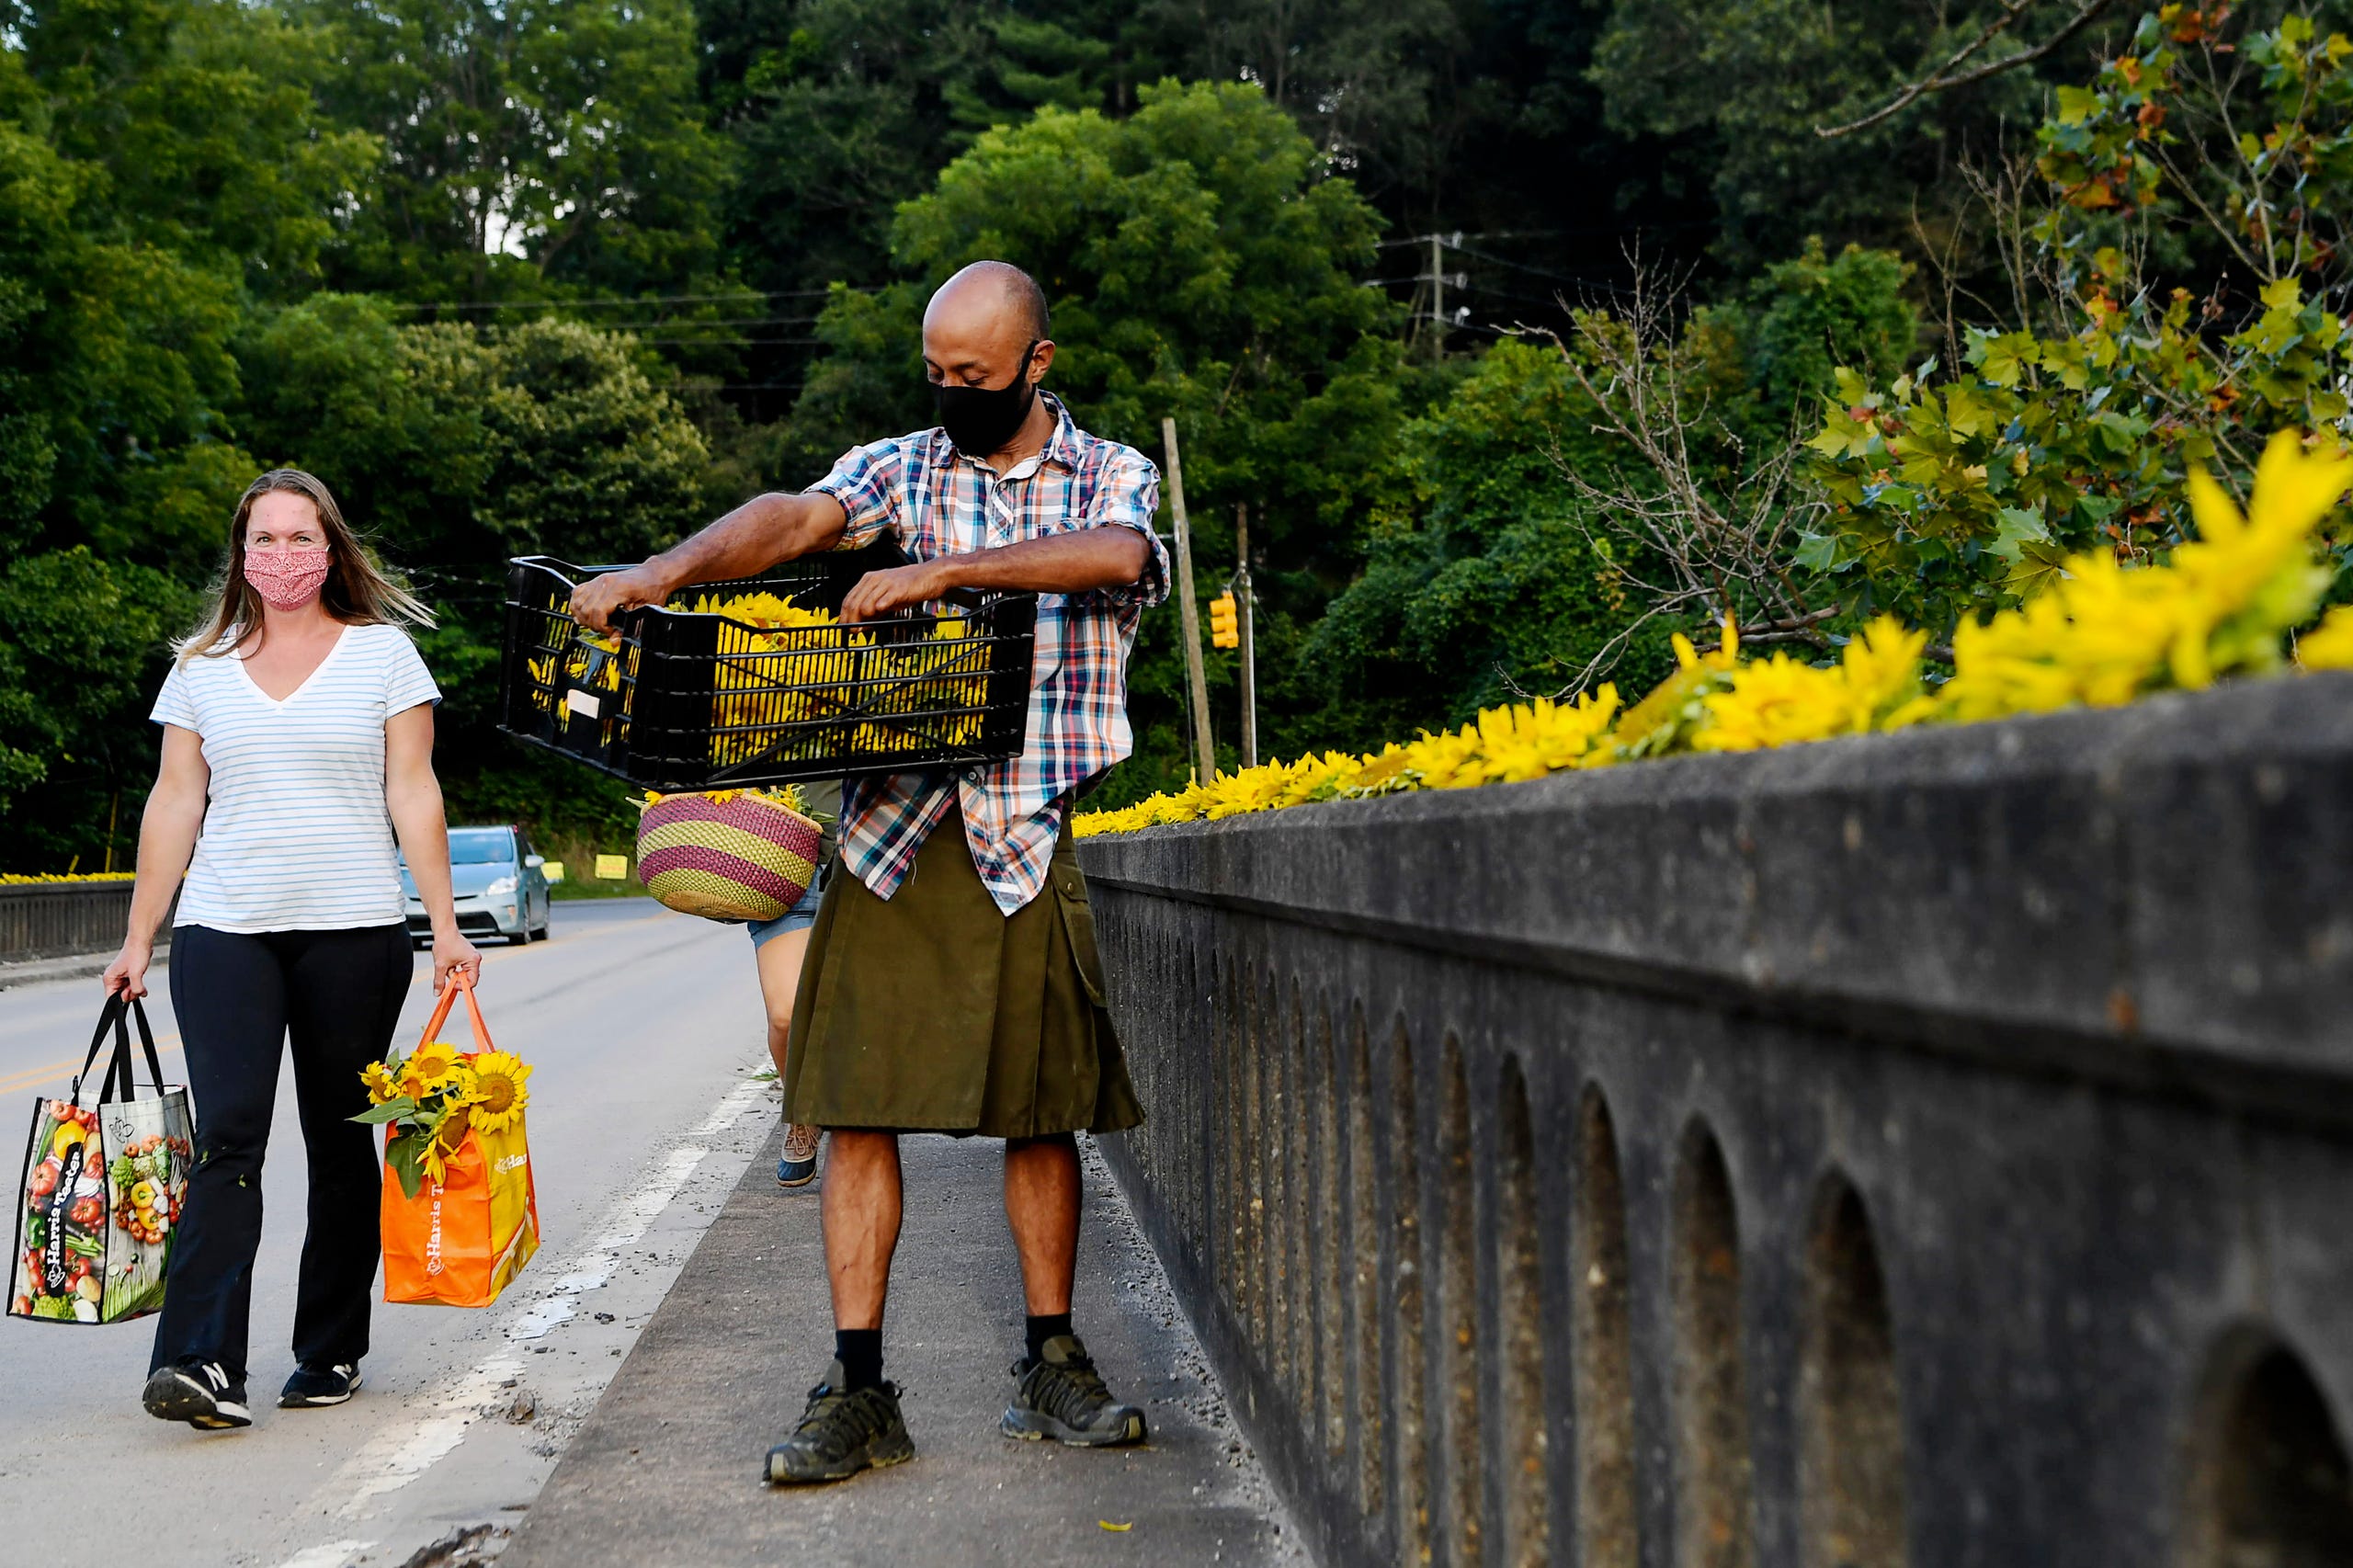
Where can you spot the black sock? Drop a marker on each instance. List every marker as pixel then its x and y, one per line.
pixel 1042 1329
pixel 859 1350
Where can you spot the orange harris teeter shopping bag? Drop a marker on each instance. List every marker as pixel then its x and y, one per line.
pixel 460 1217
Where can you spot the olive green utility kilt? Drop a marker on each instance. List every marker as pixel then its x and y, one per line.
pixel 933 1010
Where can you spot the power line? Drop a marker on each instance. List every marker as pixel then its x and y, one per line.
pixel 1457 237
pixel 612 301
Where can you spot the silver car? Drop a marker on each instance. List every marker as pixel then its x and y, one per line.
pixel 501 890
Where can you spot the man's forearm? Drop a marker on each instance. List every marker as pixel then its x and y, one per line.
pixel 751 538
pixel 1110 557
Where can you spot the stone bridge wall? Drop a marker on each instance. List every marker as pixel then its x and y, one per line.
pixel 48 920
pixel 1934 1149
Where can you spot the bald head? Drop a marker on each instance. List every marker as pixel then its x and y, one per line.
pixel 979 326
pixel 996 287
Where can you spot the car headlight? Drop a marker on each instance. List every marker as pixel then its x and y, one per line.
pixel 502 886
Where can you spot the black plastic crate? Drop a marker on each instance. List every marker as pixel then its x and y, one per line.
pixel 683 698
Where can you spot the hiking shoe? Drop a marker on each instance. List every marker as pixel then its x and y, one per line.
pixel 841 1433
pixel 313 1386
pixel 197 1392
pixel 798 1166
pixel 1061 1396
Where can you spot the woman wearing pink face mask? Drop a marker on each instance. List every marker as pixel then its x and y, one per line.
pixel 298 740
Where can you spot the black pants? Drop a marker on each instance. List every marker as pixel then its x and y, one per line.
pixel 238 997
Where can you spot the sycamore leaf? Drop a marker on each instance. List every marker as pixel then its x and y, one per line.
pixel 2077 105
pixel 2040 565
pixel 2004 360
pixel 2016 527
pixel 1843 435
pixel 1816 552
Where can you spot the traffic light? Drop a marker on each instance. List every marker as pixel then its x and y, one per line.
pixel 1225 631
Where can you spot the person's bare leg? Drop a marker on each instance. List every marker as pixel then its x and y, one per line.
pixel 1041 1196
pixel 779 959
pixel 1058 1394
pixel 861 1214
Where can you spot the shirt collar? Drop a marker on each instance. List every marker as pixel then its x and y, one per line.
pixel 1062 447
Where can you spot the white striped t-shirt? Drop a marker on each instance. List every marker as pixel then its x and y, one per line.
pixel 296 835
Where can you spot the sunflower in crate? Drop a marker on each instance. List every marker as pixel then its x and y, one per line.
pixel 593 663
pixel 934 677
pixel 781 664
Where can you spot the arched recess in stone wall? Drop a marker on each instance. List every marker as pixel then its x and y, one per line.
pixel 1851 1409
pixel 1528 1519
pixel 1409 1345
pixel 1714 1510
pixel 2268 1485
pixel 1458 1300
pixel 1364 1246
pixel 1608 1529
pixel 1328 1213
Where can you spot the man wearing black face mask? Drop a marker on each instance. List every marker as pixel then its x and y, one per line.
pixel 951 982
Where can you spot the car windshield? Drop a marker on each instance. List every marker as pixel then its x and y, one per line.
pixel 480 845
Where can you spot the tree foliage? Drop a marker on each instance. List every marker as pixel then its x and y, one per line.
pixel 1959 489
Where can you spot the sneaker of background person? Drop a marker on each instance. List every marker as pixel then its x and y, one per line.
pixel 311 1386
pixel 1061 1396
pixel 197 1392
pixel 842 1433
pixel 798 1166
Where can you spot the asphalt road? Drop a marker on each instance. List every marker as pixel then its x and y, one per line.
pixel 644 1030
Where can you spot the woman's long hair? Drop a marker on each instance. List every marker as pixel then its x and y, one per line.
pixel 357 592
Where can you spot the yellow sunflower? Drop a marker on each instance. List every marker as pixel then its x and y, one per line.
pixel 448 1134
pixel 382 1085
pixel 499 1094
pixel 436 1166
pixel 434 1062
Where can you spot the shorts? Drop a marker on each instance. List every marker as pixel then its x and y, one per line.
pixel 800 917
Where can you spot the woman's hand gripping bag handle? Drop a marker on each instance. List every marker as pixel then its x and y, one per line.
pixel 473 1220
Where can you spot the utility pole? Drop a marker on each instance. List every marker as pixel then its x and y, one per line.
pixel 1249 644
pixel 1438 280
pixel 1204 750
pixel 1438 291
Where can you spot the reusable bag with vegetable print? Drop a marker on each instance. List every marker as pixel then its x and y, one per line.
pixel 102 1188
pixel 460 1215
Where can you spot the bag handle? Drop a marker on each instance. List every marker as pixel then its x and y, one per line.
pixel 119 1081
pixel 147 1043
pixel 110 1017
pixel 459 981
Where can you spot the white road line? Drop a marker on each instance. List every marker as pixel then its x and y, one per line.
pixel 398 1455
pixel 333 1555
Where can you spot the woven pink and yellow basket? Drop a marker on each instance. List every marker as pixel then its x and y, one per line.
pixel 726 854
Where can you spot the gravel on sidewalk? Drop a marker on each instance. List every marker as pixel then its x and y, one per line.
pixel 667 1469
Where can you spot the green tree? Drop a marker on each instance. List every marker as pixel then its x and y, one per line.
pixel 196 122
pixel 459 447
pixel 1960 489
pixel 82 647
pixel 1745 88
pixel 1487 577
pixel 529 150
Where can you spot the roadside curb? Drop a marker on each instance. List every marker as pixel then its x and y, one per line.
pixel 81 966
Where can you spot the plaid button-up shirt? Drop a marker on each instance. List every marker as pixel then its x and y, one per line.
pixel 935 501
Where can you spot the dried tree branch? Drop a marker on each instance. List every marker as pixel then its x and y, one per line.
pixel 1942 79
pixel 1711 523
